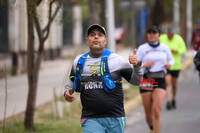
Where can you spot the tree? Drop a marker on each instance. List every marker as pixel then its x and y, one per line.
pixel 158 13
pixel 34 56
pixel 102 13
pixel 93 12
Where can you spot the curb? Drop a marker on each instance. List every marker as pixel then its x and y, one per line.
pixel 132 104
pixel 186 64
pixel 135 102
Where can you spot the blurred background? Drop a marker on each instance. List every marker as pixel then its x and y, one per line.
pixel 126 22
pixel 70 24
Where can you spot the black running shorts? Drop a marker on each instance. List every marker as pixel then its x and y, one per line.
pixel 173 73
pixel 148 85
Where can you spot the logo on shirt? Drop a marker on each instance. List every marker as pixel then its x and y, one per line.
pixel 93 85
pixel 95 68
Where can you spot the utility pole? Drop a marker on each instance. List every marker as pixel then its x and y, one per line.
pixel 110 24
pixel 77 26
pixel 176 15
pixel 133 40
pixel 13 31
pixel 189 21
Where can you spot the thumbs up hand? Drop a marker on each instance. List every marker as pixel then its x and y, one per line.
pixel 133 58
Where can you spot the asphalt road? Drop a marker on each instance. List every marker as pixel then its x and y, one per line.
pixel 185 119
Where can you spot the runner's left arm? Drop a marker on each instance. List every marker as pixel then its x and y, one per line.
pixel 132 74
pixel 136 75
pixel 181 46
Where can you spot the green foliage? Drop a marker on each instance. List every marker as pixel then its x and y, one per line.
pixel 59 126
pixel 45 121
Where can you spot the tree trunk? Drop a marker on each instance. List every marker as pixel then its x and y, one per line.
pixel 93 12
pixel 34 59
pixel 102 14
pixel 183 21
pixel 33 77
pixel 30 107
pixel 158 13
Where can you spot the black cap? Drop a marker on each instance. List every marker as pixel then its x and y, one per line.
pixel 154 29
pixel 96 26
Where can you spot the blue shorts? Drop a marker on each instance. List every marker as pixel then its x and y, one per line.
pixel 104 125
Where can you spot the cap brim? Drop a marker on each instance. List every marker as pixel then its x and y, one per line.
pixel 96 26
pixel 154 30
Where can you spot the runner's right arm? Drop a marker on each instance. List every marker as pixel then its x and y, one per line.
pixel 69 83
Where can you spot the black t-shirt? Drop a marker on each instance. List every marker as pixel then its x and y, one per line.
pixel 97 103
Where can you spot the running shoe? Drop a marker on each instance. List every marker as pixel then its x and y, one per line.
pixel 174 104
pixel 168 106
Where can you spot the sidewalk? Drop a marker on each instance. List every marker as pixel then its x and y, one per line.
pixel 53 74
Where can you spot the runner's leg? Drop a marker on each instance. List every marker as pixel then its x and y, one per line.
pixel 168 86
pixel 92 125
pixel 158 99
pixel 115 125
pixel 147 104
pixel 174 86
pixel 168 80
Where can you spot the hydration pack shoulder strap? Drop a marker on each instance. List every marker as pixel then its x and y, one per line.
pixel 106 77
pixel 79 70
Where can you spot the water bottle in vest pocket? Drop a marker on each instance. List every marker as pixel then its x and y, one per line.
pixel 108 83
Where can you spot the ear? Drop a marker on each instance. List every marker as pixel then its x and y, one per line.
pixel 86 39
pixel 106 40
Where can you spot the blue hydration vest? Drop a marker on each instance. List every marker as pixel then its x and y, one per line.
pixel 106 77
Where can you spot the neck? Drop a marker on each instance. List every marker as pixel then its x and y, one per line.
pixel 96 52
pixel 156 42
